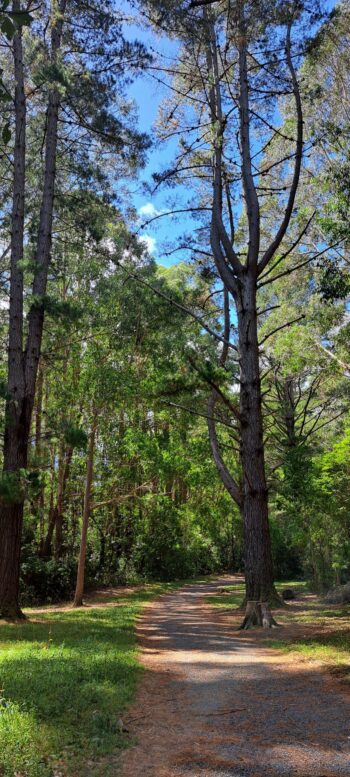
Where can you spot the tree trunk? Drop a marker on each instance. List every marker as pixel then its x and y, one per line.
pixel 79 590
pixel 240 279
pixel 37 310
pixel 47 543
pixel 252 496
pixel 258 556
pixel 232 545
pixel 64 469
pixel 102 555
pixel 11 532
pixel 39 501
pixel 16 418
pixel 289 411
pixel 258 614
pixel 23 366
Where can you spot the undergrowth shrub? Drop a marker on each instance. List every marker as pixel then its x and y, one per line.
pixel 47 581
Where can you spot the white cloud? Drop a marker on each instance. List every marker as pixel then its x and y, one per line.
pixel 150 243
pixel 148 210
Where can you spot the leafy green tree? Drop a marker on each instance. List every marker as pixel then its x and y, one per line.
pixel 224 131
pixel 79 92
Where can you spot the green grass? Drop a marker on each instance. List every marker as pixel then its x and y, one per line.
pixel 333 649
pixel 233 595
pixel 64 683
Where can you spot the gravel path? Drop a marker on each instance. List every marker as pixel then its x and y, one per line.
pixel 214 702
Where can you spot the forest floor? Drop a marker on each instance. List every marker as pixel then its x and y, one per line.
pixel 217 702
pixel 66 677
pixel 210 702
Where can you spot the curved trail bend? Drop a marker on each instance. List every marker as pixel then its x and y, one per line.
pixel 214 702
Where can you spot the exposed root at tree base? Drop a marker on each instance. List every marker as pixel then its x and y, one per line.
pixel 258 614
pixel 13 616
pixel 275 600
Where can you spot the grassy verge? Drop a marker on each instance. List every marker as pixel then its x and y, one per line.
pixel 228 596
pixel 66 677
pixel 233 595
pixel 332 649
pixel 328 638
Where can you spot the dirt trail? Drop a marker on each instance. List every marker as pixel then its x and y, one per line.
pixel 214 702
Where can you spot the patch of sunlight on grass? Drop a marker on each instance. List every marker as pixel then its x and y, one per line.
pixel 233 595
pixel 226 599
pixel 299 586
pixel 325 614
pixel 228 596
pixel 65 680
pixel 331 646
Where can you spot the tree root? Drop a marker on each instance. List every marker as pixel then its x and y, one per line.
pixel 12 614
pixel 258 614
pixel 275 600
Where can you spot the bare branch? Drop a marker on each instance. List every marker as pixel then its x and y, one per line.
pixel 218 231
pixel 217 389
pixel 278 328
pixel 230 484
pixel 177 305
pixel 297 266
pixel 289 250
pixel 170 213
pixel 316 428
pixel 343 365
pixel 250 193
pixel 269 253
pixel 190 410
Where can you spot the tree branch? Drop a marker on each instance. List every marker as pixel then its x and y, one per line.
pixel 283 326
pixel 227 479
pixel 289 251
pixel 177 305
pixel 269 253
pixel 190 410
pixel 250 193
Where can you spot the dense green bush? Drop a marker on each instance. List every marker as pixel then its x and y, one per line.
pixel 47 580
pixel 287 561
pixel 171 546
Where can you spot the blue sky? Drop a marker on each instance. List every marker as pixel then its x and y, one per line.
pixel 148 94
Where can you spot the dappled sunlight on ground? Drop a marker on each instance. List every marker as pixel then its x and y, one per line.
pixel 215 702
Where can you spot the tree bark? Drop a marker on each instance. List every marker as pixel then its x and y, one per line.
pixel 47 542
pixel 258 614
pixel 64 469
pixel 227 479
pixel 79 590
pixel 56 513
pixel 257 543
pixel 252 498
pixel 16 418
pixel 39 501
pixel 23 366
pixel 36 313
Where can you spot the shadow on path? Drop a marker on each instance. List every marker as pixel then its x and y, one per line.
pixel 214 702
